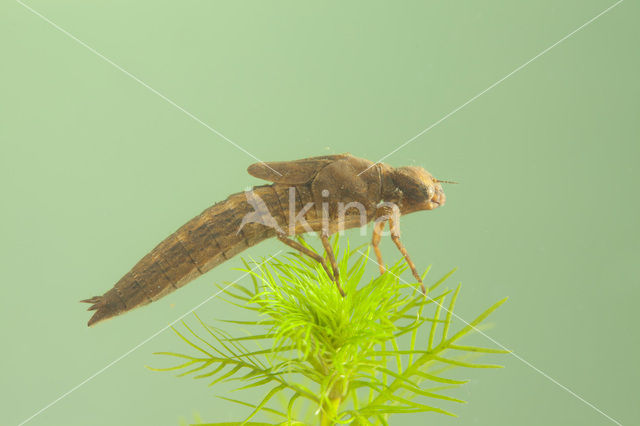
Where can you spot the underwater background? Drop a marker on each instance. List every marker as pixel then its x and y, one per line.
pixel 105 152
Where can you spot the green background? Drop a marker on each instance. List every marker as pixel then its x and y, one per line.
pixel 96 169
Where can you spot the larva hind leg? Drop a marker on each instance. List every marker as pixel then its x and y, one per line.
pixel 332 258
pixel 315 256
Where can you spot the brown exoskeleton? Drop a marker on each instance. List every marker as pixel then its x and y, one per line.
pixel 320 194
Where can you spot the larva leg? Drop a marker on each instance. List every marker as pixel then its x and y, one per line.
pixel 302 249
pixel 375 242
pixel 395 236
pixel 336 273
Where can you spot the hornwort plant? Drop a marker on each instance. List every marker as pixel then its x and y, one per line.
pixel 379 351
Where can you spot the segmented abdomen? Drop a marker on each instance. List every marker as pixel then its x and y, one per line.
pixel 204 242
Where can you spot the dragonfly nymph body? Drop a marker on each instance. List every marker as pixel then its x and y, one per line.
pixel 320 194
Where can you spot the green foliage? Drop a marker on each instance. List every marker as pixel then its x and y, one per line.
pixel 353 360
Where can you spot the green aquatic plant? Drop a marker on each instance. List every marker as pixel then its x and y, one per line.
pixel 377 352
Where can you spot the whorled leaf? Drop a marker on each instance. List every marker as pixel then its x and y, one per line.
pixel 380 351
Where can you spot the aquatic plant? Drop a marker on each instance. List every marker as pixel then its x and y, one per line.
pixel 325 359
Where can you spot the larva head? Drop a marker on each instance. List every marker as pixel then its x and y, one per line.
pixel 420 190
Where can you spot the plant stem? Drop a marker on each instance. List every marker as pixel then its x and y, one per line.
pixel 330 409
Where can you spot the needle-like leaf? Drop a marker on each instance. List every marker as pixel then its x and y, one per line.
pixel 379 351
